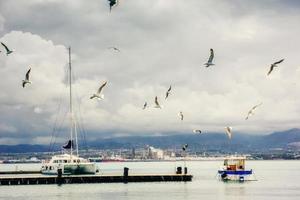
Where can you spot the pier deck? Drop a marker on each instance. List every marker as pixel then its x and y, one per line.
pixel 35 179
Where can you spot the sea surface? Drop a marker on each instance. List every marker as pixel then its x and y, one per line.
pixel 276 180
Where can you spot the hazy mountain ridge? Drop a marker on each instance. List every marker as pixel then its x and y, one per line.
pixel 197 142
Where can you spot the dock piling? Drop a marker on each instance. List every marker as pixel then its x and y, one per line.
pixel 125 174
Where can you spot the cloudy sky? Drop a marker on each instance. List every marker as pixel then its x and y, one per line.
pixel 162 43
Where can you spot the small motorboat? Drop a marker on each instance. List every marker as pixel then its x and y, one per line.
pixel 234 170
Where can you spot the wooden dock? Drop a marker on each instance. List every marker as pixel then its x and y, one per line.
pixel 71 179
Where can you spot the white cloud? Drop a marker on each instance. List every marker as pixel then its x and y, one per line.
pixel 162 43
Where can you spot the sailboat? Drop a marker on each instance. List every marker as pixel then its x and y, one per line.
pixel 69 163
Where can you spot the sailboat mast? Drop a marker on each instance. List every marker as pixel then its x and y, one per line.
pixel 71 106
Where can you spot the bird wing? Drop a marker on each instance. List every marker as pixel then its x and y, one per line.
pixel 6 48
pixel 180 114
pixel 112 3
pixel 197 131
pixel 271 69
pixel 114 48
pixel 27 74
pixel 167 94
pixel 280 61
pixel 211 57
pixel 156 101
pixel 248 115
pixel 101 87
pixel 145 105
pixel 228 132
pixel 254 107
pixel 170 88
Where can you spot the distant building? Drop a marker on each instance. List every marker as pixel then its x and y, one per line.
pixel 154 153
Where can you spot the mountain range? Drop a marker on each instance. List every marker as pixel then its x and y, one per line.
pixel 242 143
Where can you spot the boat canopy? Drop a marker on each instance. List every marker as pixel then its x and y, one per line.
pixel 235 163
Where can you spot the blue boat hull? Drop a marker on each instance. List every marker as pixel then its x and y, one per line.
pixel 230 172
pixel 241 176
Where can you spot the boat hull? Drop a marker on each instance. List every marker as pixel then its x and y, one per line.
pixel 241 176
pixel 70 169
pixel 86 168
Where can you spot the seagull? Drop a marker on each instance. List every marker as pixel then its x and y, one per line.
pixel 251 111
pixel 180 114
pixel 197 131
pixel 98 95
pixel 156 103
pixel 145 105
pixel 168 92
pixel 115 48
pixel 274 65
pixel 112 3
pixel 184 147
pixel 228 131
pixel 6 48
pixel 210 59
pixel 24 82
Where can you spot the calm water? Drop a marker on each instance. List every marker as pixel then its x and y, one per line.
pixel 276 180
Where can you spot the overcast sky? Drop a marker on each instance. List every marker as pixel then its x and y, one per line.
pixel 162 43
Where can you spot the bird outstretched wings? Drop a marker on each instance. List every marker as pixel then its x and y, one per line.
pixel 168 92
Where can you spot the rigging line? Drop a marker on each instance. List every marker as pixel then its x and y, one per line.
pixel 81 129
pixel 57 130
pixel 79 118
pixel 54 129
pixel 55 122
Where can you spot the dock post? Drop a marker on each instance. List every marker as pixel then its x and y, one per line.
pixel 185 170
pixel 125 174
pixel 59 176
pixel 179 170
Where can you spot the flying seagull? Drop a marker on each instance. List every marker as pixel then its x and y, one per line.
pixel 228 131
pixel 156 103
pixel 180 114
pixel 98 95
pixel 145 105
pixel 24 82
pixel 8 51
pixel 210 59
pixel 251 111
pixel 274 65
pixel 112 3
pixel 168 92
pixel 115 48
pixel 184 147
pixel 197 131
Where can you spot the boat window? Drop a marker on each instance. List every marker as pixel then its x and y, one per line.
pixel 74 161
pixel 65 161
pixel 78 161
pixel 225 162
pixel 46 167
